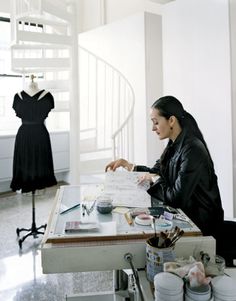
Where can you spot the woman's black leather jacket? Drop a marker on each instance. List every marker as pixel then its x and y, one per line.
pixel 188 181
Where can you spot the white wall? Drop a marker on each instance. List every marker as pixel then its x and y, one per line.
pixel 154 80
pixel 122 44
pixel 197 71
pixel 5 6
pixel 94 13
pixel 233 89
pixel 89 14
pixel 118 9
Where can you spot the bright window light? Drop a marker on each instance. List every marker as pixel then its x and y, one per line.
pixel 12 83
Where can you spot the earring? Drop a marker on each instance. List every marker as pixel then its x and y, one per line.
pixel 171 128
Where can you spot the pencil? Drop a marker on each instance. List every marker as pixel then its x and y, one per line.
pixel 129 218
pixel 73 207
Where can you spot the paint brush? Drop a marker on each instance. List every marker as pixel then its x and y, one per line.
pixel 154 226
pixel 162 238
pixel 176 238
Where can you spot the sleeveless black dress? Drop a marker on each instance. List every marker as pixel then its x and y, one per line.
pixel 32 162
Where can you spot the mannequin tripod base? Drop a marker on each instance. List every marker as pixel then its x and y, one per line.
pixel 34 231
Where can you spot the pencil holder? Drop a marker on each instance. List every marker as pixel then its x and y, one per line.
pixel 156 257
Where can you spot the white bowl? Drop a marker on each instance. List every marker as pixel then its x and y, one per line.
pixel 187 298
pixel 201 293
pixel 224 286
pixel 168 283
pixel 176 297
pixel 223 297
pixel 143 219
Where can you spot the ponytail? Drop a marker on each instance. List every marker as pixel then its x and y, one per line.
pixel 189 123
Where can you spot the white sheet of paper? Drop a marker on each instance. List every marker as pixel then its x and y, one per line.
pixel 123 188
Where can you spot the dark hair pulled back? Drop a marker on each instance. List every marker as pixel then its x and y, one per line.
pixel 170 106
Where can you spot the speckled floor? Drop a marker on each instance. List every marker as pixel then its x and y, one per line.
pixel 21 277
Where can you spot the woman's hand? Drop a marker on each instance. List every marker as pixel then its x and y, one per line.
pixel 147 177
pixel 119 163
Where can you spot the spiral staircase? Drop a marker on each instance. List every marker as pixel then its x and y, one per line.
pixel 45 43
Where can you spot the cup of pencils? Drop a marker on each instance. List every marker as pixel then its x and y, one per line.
pixel 160 249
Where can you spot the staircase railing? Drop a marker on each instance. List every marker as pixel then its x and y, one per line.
pixel 112 109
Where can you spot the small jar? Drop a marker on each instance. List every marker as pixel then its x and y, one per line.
pixel 104 205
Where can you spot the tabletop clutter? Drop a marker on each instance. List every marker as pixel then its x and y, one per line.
pixel 173 279
pixel 178 279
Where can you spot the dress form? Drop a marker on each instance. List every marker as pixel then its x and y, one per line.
pixel 33 87
pixel 33 162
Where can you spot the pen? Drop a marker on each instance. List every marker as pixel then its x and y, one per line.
pixel 73 207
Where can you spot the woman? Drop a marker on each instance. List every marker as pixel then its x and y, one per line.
pixel 187 178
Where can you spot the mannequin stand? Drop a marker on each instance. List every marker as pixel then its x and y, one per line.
pixel 33 230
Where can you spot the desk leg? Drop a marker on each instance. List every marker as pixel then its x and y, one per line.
pixel 120 280
pixel 120 285
pixel 126 288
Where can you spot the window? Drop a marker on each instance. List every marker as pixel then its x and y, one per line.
pixel 12 82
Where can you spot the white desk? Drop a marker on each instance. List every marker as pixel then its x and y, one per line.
pixel 62 253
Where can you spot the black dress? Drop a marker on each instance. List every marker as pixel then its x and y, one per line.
pixel 32 163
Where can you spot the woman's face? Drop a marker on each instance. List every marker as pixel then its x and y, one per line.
pixel 160 124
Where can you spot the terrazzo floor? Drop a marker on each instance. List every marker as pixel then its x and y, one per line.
pixel 21 277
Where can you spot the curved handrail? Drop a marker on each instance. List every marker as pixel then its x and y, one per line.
pixel 129 116
pixel 114 68
pixel 123 123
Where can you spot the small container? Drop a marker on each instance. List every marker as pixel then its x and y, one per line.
pixel 220 264
pixel 104 205
pixel 156 257
pixel 162 224
pixel 216 266
pixel 143 219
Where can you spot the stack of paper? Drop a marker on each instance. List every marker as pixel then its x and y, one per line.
pixel 124 189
